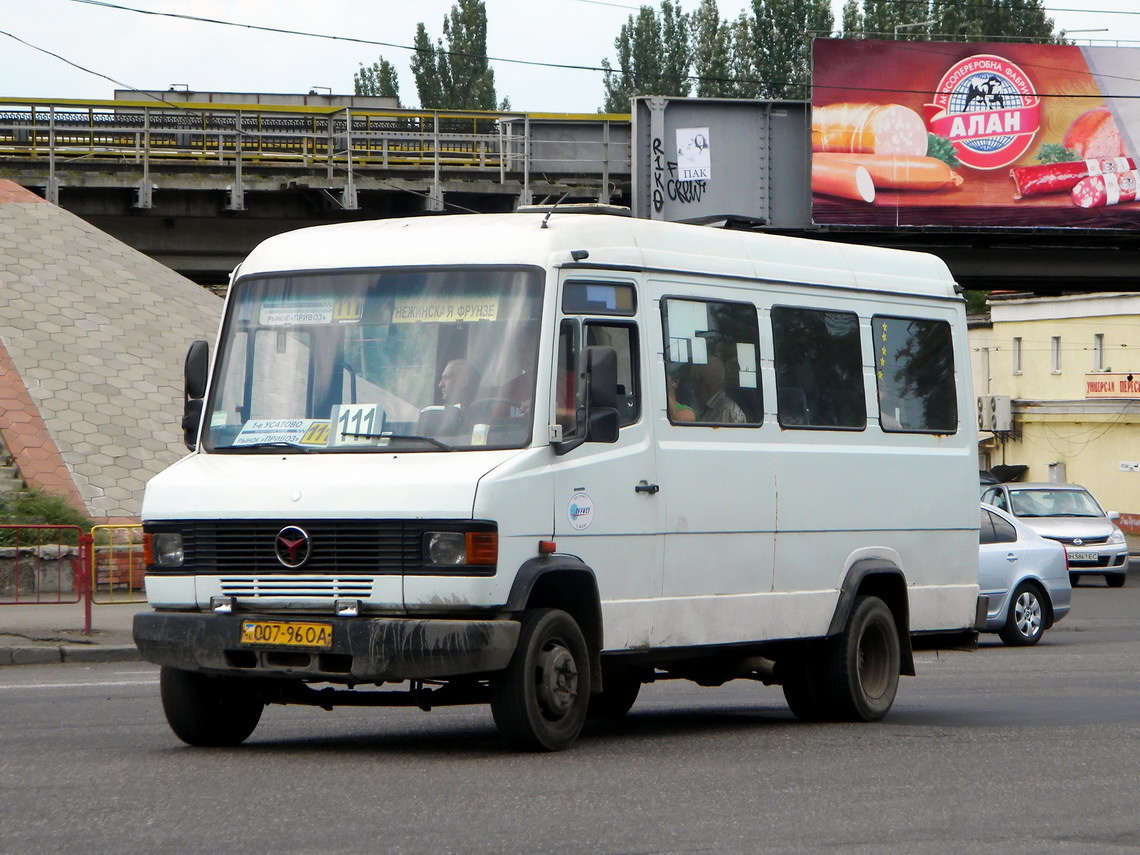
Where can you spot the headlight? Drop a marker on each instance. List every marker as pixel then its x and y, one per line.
pixel 1117 536
pixel 455 548
pixel 166 549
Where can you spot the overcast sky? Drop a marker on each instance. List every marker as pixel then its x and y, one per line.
pixel 154 52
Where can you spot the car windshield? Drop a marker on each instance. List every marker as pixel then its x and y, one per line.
pixel 1054 503
pixel 416 360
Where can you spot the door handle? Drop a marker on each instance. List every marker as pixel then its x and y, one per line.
pixel 1011 557
pixel 646 487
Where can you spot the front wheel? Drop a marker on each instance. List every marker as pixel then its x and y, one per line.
pixel 1114 580
pixel 540 699
pixel 208 711
pixel 1025 620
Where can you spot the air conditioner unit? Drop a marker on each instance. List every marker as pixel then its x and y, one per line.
pixel 995 413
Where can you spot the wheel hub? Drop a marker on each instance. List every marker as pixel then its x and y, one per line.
pixel 558 682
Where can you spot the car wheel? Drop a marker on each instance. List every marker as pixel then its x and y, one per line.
pixel 539 700
pixel 1025 619
pixel 208 711
pixel 1115 580
pixel 805 693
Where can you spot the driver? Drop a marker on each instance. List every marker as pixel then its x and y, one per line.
pixel 458 383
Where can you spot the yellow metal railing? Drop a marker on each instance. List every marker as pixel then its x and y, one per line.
pixel 118 564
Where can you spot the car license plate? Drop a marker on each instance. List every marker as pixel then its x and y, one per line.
pixel 1084 556
pixel 286 634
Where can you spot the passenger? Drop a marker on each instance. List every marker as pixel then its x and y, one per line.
pixel 519 390
pixel 678 412
pixel 715 406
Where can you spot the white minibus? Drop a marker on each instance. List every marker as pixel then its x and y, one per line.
pixel 538 460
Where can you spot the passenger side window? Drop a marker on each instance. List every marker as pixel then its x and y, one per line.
pixel 566 401
pixel 914 373
pixel 1003 531
pixel 996 498
pixel 986 529
pixel 819 369
pixel 711 362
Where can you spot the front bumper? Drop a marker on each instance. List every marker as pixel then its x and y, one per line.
pixel 363 649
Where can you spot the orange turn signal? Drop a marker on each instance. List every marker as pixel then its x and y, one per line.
pixel 547 547
pixel 482 547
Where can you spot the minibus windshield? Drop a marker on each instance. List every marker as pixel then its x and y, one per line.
pixel 426 359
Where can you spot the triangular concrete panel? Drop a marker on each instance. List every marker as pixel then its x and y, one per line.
pixel 93 335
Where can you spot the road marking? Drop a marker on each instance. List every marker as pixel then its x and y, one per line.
pixel 87 685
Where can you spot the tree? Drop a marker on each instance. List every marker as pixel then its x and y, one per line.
pixel 653 57
pixel 378 79
pixel 458 76
pixel 452 77
pixel 1017 20
pixel 712 52
pixel 780 45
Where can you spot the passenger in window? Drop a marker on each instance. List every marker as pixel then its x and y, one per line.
pixel 714 404
pixel 519 390
pixel 678 412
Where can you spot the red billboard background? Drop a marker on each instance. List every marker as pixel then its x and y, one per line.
pixel 974 135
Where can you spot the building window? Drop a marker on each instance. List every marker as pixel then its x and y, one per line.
pixel 1017 355
pixel 1055 354
pixel 1098 352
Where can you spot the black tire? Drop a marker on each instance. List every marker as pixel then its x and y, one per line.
pixel 1025 618
pixel 1074 579
pixel 620 688
pixel 208 711
pixel 1115 580
pixel 861 672
pixel 805 694
pixel 540 699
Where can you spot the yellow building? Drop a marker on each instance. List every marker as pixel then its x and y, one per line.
pixel 1070 368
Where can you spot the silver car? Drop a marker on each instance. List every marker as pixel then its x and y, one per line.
pixel 1068 513
pixel 1024 576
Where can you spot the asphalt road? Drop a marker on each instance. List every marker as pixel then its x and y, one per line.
pixel 1026 749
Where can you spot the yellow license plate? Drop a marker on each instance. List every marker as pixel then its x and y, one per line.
pixel 286 634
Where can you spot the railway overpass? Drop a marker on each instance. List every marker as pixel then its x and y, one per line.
pixel 196 185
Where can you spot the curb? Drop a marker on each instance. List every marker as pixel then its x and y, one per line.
pixel 56 654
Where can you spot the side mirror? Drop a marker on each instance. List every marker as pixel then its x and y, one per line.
pixel 601 377
pixel 598 419
pixel 196 369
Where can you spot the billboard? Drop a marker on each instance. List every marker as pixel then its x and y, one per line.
pixel 975 134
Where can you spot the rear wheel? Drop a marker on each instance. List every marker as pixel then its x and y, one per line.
pixel 208 711
pixel 1114 580
pixel 852 677
pixel 539 700
pixel 1025 620
pixel 862 670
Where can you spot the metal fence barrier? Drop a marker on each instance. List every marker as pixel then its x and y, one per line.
pixel 117 563
pixel 42 564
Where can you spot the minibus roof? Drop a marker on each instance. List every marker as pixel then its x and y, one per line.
pixel 547 240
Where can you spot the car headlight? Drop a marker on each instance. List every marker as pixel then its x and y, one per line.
pixel 1117 536
pixel 456 548
pixel 166 549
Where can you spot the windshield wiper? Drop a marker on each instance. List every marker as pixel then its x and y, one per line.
pixel 269 446
pixel 442 446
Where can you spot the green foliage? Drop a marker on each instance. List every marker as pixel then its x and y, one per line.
pixel 965 20
pixel 456 76
pixel 943 149
pixel 1056 153
pixel 35 507
pixel 976 302
pixel 451 74
pixel 378 80
pixel 653 57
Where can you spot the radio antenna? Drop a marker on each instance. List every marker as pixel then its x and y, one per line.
pixel 552 207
